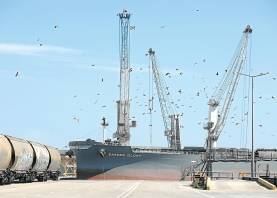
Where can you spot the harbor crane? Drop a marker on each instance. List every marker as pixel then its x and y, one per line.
pixel 123 104
pixel 170 118
pixel 221 101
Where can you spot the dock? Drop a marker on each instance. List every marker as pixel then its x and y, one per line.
pixel 134 189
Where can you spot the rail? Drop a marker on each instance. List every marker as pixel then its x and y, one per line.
pixel 257 174
pixel 238 155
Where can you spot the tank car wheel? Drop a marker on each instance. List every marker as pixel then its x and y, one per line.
pixel 21 179
pixel 2 181
pixel 10 180
pixel 55 177
pixel 40 178
pixel 29 179
pixel 45 178
pixel 32 177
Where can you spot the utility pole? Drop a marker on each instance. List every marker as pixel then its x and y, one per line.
pixel 253 173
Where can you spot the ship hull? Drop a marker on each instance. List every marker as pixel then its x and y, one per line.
pixel 100 161
pixel 120 162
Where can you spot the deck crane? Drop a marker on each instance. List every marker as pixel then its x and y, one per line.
pixel 170 118
pixel 123 104
pixel 221 101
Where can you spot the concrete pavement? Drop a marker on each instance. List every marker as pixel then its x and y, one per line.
pixel 132 189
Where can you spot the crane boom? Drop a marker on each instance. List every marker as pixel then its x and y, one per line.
pixel 123 104
pixel 221 100
pixel 170 119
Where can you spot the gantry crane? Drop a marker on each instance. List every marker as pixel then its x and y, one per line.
pixel 123 104
pixel 170 118
pixel 221 101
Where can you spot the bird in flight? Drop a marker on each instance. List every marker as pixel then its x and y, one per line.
pixel 77 119
pixel 132 27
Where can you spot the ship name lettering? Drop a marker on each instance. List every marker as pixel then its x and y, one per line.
pixel 123 155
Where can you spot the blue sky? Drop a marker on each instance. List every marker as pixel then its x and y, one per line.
pixel 57 83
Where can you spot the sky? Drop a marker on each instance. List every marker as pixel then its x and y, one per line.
pixel 51 93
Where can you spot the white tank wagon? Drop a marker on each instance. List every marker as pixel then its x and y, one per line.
pixel 41 161
pixel 54 162
pixel 26 161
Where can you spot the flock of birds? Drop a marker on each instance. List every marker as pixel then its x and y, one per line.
pixel 141 101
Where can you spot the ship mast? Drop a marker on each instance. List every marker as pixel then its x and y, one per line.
pixel 123 104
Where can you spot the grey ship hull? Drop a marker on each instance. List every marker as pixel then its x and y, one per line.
pixel 100 161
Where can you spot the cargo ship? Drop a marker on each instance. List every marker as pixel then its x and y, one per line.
pixel 116 159
pixel 96 160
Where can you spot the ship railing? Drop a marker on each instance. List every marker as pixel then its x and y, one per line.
pixel 272 158
pixel 215 175
pixel 222 175
pixel 257 174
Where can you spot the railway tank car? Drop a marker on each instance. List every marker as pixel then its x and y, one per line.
pixel 41 161
pixel 26 161
pixel 54 163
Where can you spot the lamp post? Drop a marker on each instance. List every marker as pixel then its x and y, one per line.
pixel 252 119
